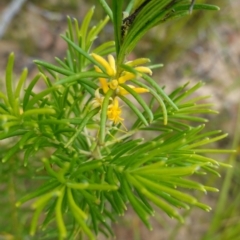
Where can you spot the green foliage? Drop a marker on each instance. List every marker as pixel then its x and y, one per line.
pixel 225 224
pixel 96 167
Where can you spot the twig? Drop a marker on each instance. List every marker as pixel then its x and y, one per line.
pixel 8 14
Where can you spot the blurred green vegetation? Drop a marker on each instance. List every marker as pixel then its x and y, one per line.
pixel 166 43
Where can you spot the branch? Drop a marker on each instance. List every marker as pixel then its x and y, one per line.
pixel 8 14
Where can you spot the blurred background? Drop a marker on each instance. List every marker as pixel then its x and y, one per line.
pixel 204 46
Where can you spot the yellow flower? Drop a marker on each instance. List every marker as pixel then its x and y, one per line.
pixel 108 65
pixel 98 100
pixel 123 91
pixel 114 112
pixel 103 81
pixel 113 81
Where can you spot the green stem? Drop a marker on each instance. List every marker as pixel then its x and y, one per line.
pixel 217 218
pixel 12 200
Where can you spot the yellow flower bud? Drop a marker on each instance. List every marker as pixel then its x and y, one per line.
pixel 104 84
pixel 138 61
pixel 104 63
pixel 127 76
pixel 97 69
pixel 123 91
pixel 144 70
pixel 112 63
pixel 113 84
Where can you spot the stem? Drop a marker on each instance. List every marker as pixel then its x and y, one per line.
pixel 12 200
pixel 222 203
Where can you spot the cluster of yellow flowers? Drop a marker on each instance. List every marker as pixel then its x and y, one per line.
pixel 114 81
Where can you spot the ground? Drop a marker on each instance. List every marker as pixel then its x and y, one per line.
pixel 212 55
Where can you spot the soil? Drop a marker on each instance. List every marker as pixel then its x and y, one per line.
pixel 213 57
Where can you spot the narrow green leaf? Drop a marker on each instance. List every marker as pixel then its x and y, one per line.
pixel 37 111
pixel 29 90
pixel 34 222
pixel 79 212
pixel 70 59
pixel 54 68
pixel 185 7
pixel 88 166
pixel 55 121
pixel 100 187
pixel 123 148
pixel 189 118
pixel 16 108
pixel 178 90
pixel 200 159
pixel 49 169
pixel 13 150
pixel 44 199
pixel 159 100
pixel 117 7
pixel 145 201
pixel 107 9
pixel 119 202
pixel 49 215
pixel 70 29
pixel 188 92
pixel 210 170
pixel 157 165
pixel 79 78
pixel 85 26
pixel 159 90
pixel 211 189
pixel 100 49
pixel 79 215
pixel 90 196
pixel 167 171
pixel 71 56
pixel 6 126
pixel 82 52
pixel 156 66
pixel 135 110
pixel 136 205
pixel 7 117
pixel 25 138
pixel 59 215
pixel 142 149
pixel 175 193
pixel 151 13
pixel 103 120
pixel 49 186
pixel 27 154
pixel 185 183
pixel 113 204
pixel 21 81
pixel 171 200
pixel 9 79
pixel 130 6
pixel 88 117
pixel 62 64
pixel 161 204
pixel 209 140
pixel 12 133
pixel 203 206
pixel 34 100
pixel 94 220
pixel 139 100
pixel 92 35
pixel 4 97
